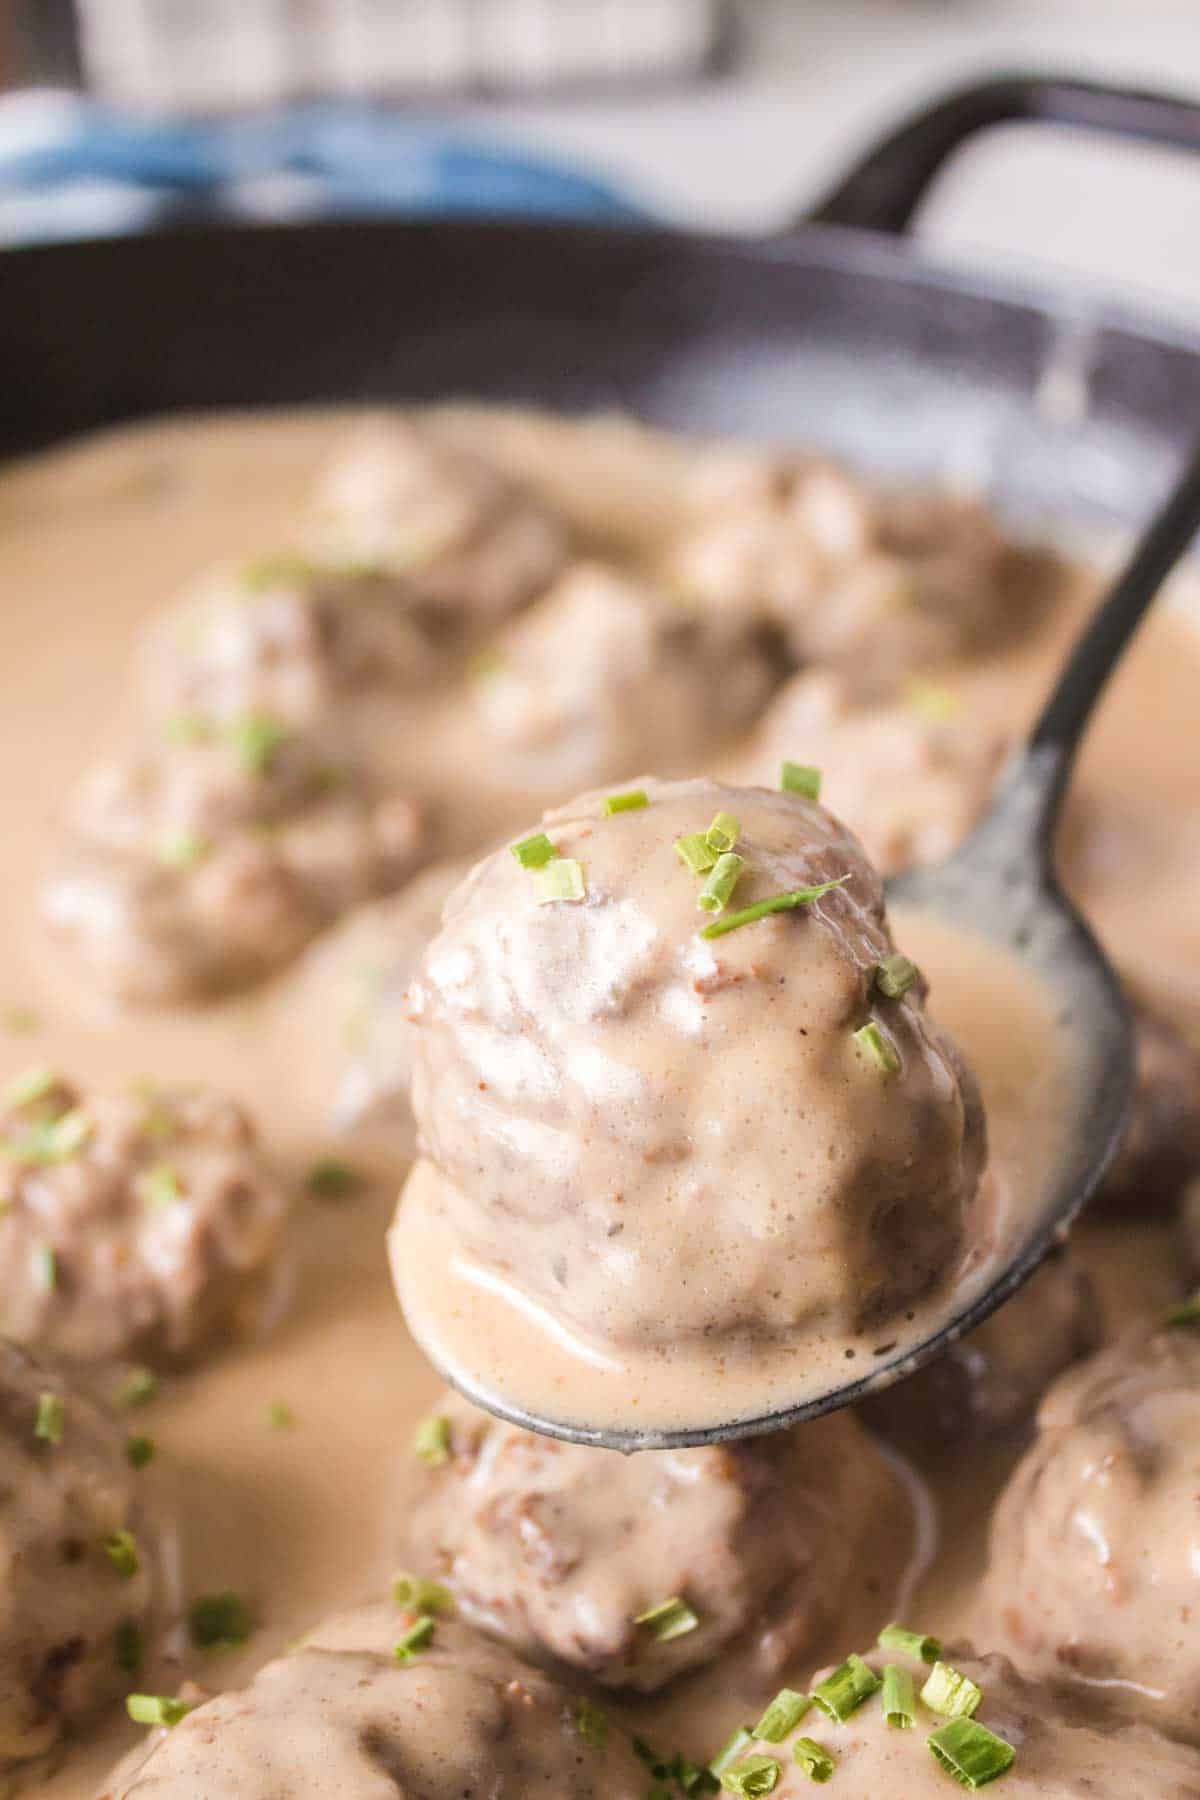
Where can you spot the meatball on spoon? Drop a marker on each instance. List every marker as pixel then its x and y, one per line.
pixel 684 1182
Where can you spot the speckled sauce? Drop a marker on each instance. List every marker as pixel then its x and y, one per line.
pixel 305 1520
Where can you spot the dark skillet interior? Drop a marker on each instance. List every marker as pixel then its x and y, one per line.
pixel 834 337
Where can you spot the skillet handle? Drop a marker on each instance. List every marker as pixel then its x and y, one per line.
pixel 884 190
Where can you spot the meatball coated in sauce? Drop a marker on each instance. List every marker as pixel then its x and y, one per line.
pixel 77 1596
pixel 606 675
pixel 559 1549
pixel 1161 1150
pixel 461 543
pixel 909 775
pixel 714 1150
pixel 1094 1575
pixel 132 1224
pixel 1059 1756
pixel 988 1384
pixel 463 1720
pixel 282 637
pixel 199 864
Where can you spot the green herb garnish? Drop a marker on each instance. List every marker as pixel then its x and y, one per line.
pixel 30 1085
pixel 782 1715
pixel 899 1697
pixel 160 1187
pixel 723 833
pixel 633 801
pixel 129 1647
pixel 813 1758
pixel 157 1709
pixel 413 1593
pixel 951 1693
pixel 122 1552
pixel 534 852
pixel 255 738
pixel 139 1387
pixel 753 1775
pixel 910 1643
pixel 798 778
pixel 331 1179
pixel 895 975
pixel 561 879
pixel 51 1418
pixel 970 1752
pixel 139 1450
pixel 180 849
pixel 763 909
pixel 880 1049
pixel 431 1440
pixel 279 1414
pixel 841 1693
pixel 219 1621
pixel 694 853
pixel 670 1619
pixel 592 1724
pixel 418 1637
pixel 717 891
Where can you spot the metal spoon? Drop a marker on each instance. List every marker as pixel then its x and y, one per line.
pixel 1001 885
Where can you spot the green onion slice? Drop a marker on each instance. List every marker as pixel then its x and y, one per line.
pixel 951 1693
pixel 412 1593
pixel 140 1451
pixel 910 1643
pixel 219 1621
pixel 51 1418
pixel 30 1085
pixel 157 1709
pixel 561 879
pixel 899 1697
pixel 330 1178
pixel 431 1441
pixel 669 1619
pixel 715 895
pixel 799 778
pixel 591 1722
pixel 160 1187
pixel 633 801
pixel 782 1716
pixel 122 1552
pixel 970 1752
pixel 418 1637
pixel 753 1775
pixel 813 1758
pixel 723 833
pixel 129 1647
pixel 778 903
pixel 45 1267
pixel 895 975
pixel 694 853
pixel 843 1692
pixel 254 739
pixel 729 1752
pixel 880 1049
pixel 534 852
pixel 139 1387
pixel 50 1140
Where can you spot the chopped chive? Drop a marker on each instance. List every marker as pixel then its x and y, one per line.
pixel 841 1693
pixel 723 833
pixel 670 1619
pixel 418 1637
pixel 561 879
pixel 813 1758
pixel 970 1752
pixel 45 1267
pixel 279 1414
pixel 799 778
pixel 122 1552
pixel 689 1777
pixel 331 1179
pixel 910 1643
pixel 431 1440
pixel 48 1141
pixel 694 853
pixel 899 1697
pixel 139 1450
pixel 30 1085
pixel 649 1755
pixel 534 852
pixel 591 1722
pixel 1187 1312
pixel 412 1593
pixel 157 1709
pixel 783 1715
pixel 129 1647
pixel 753 1775
pixel 732 1748
pixel 778 903
pixel 633 801
pixel 951 1693
pixel 51 1418
pixel 160 1187
pixel 895 975
pixel 882 1052
pixel 717 891
pixel 181 849
pixel 138 1388
pixel 219 1621
pixel 254 739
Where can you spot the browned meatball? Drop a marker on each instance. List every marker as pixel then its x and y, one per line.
pixel 199 865
pixel 1161 1151
pixel 78 1559
pixel 132 1224
pixel 560 1549
pixel 462 1719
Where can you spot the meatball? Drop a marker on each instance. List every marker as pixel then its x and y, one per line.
pixel 78 1559
pixel 561 1549
pixel 132 1224
pixel 278 636
pixel 197 866
pixel 342 1715
pixel 1058 1755
pixel 1161 1150
pixel 1094 1574
pixel 459 541
pixel 989 1383
pixel 374 963
pixel 878 582
pixel 605 676
pixel 910 777
pixel 675 1138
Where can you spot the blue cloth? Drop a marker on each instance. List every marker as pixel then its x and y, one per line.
pixel 70 167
